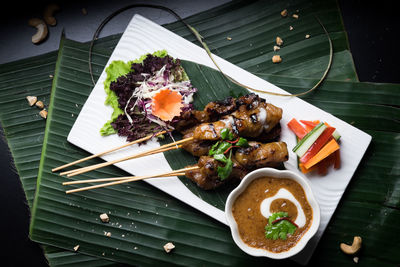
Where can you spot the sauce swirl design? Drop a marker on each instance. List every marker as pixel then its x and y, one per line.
pixel 259 200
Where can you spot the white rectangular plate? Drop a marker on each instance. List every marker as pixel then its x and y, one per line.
pixel 143 36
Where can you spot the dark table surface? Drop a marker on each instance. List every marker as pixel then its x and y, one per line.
pixel 372 30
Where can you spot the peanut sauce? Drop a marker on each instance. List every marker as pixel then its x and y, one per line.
pixel 251 223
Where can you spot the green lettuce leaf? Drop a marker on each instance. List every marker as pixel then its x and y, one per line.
pixel 116 69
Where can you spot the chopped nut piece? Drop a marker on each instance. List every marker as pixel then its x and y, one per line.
pixel 39 104
pixel 291 28
pixel 76 247
pixel 279 41
pixel 168 247
pixel 295 16
pixel 104 217
pixel 43 113
pixel 355 259
pixel 276 59
pixel 284 13
pixel 31 100
pixel 229 38
pixel 307 36
pixel 276 48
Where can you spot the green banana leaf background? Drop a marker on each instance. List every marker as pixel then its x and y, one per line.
pixel 369 206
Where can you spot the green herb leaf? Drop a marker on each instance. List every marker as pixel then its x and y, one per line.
pixel 221 158
pixel 226 134
pixel 213 149
pixel 242 142
pixel 280 229
pixel 219 148
pixel 224 172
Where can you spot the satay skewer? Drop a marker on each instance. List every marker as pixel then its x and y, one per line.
pixel 132 179
pixel 170 146
pixel 100 180
pixel 146 153
pixel 108 151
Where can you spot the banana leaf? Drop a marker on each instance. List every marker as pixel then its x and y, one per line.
pixel 23 129
pixel 203 19
pixel 90 233
pixel 374 170
pixel 254 26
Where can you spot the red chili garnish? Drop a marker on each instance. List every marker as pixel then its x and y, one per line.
pixel 229 148
pixel 285 218
pixel 234 141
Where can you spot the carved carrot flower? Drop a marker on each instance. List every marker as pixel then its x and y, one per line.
pixel 167 104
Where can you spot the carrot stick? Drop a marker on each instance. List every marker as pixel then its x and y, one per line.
pixel 325 151
pixel 297 128
pixel 304 170
pixel 318 144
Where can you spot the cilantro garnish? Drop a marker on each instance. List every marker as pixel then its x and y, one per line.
pixel 221 158
pixel 226 134
pixel 224 172
pixel 220 148
pixel 242 142
pixel 279 229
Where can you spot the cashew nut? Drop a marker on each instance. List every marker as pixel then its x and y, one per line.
pixel 276 59
pixel 48 14
pixel 31 100
pixel 353 248
pixel 41 27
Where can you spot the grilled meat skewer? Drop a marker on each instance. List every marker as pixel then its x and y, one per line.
pixel 244 160
pixel 243 122
pixel 258 155
pixel 207 177
pixel 213 111
pixel 201 147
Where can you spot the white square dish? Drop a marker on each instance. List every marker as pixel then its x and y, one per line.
pixel 143 36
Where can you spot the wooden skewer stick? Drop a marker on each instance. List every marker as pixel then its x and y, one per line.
pixel 100 165
pixel 171 146
pixel 99 180
pixel 107 151
pixel 134 178
pixel 89 168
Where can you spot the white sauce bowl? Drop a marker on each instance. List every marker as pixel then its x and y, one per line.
pixel 269 172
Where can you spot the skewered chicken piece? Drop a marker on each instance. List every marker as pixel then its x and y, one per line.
pixel 244 160
pixel 213 111
pixel 258 155
pixel 201 147
pixel 207 177
pixel 196 147
pixel 247 122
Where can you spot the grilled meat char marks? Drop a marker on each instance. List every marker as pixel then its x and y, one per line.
pixel 213 111
pixel 196 147
pixel 259 155
pixel 261 118
pixel 244 160
pixel 206 177
pixel 201 147
pixel 247 116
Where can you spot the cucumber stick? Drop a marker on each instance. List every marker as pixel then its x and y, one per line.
pixel 301 148
pixel 336 135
